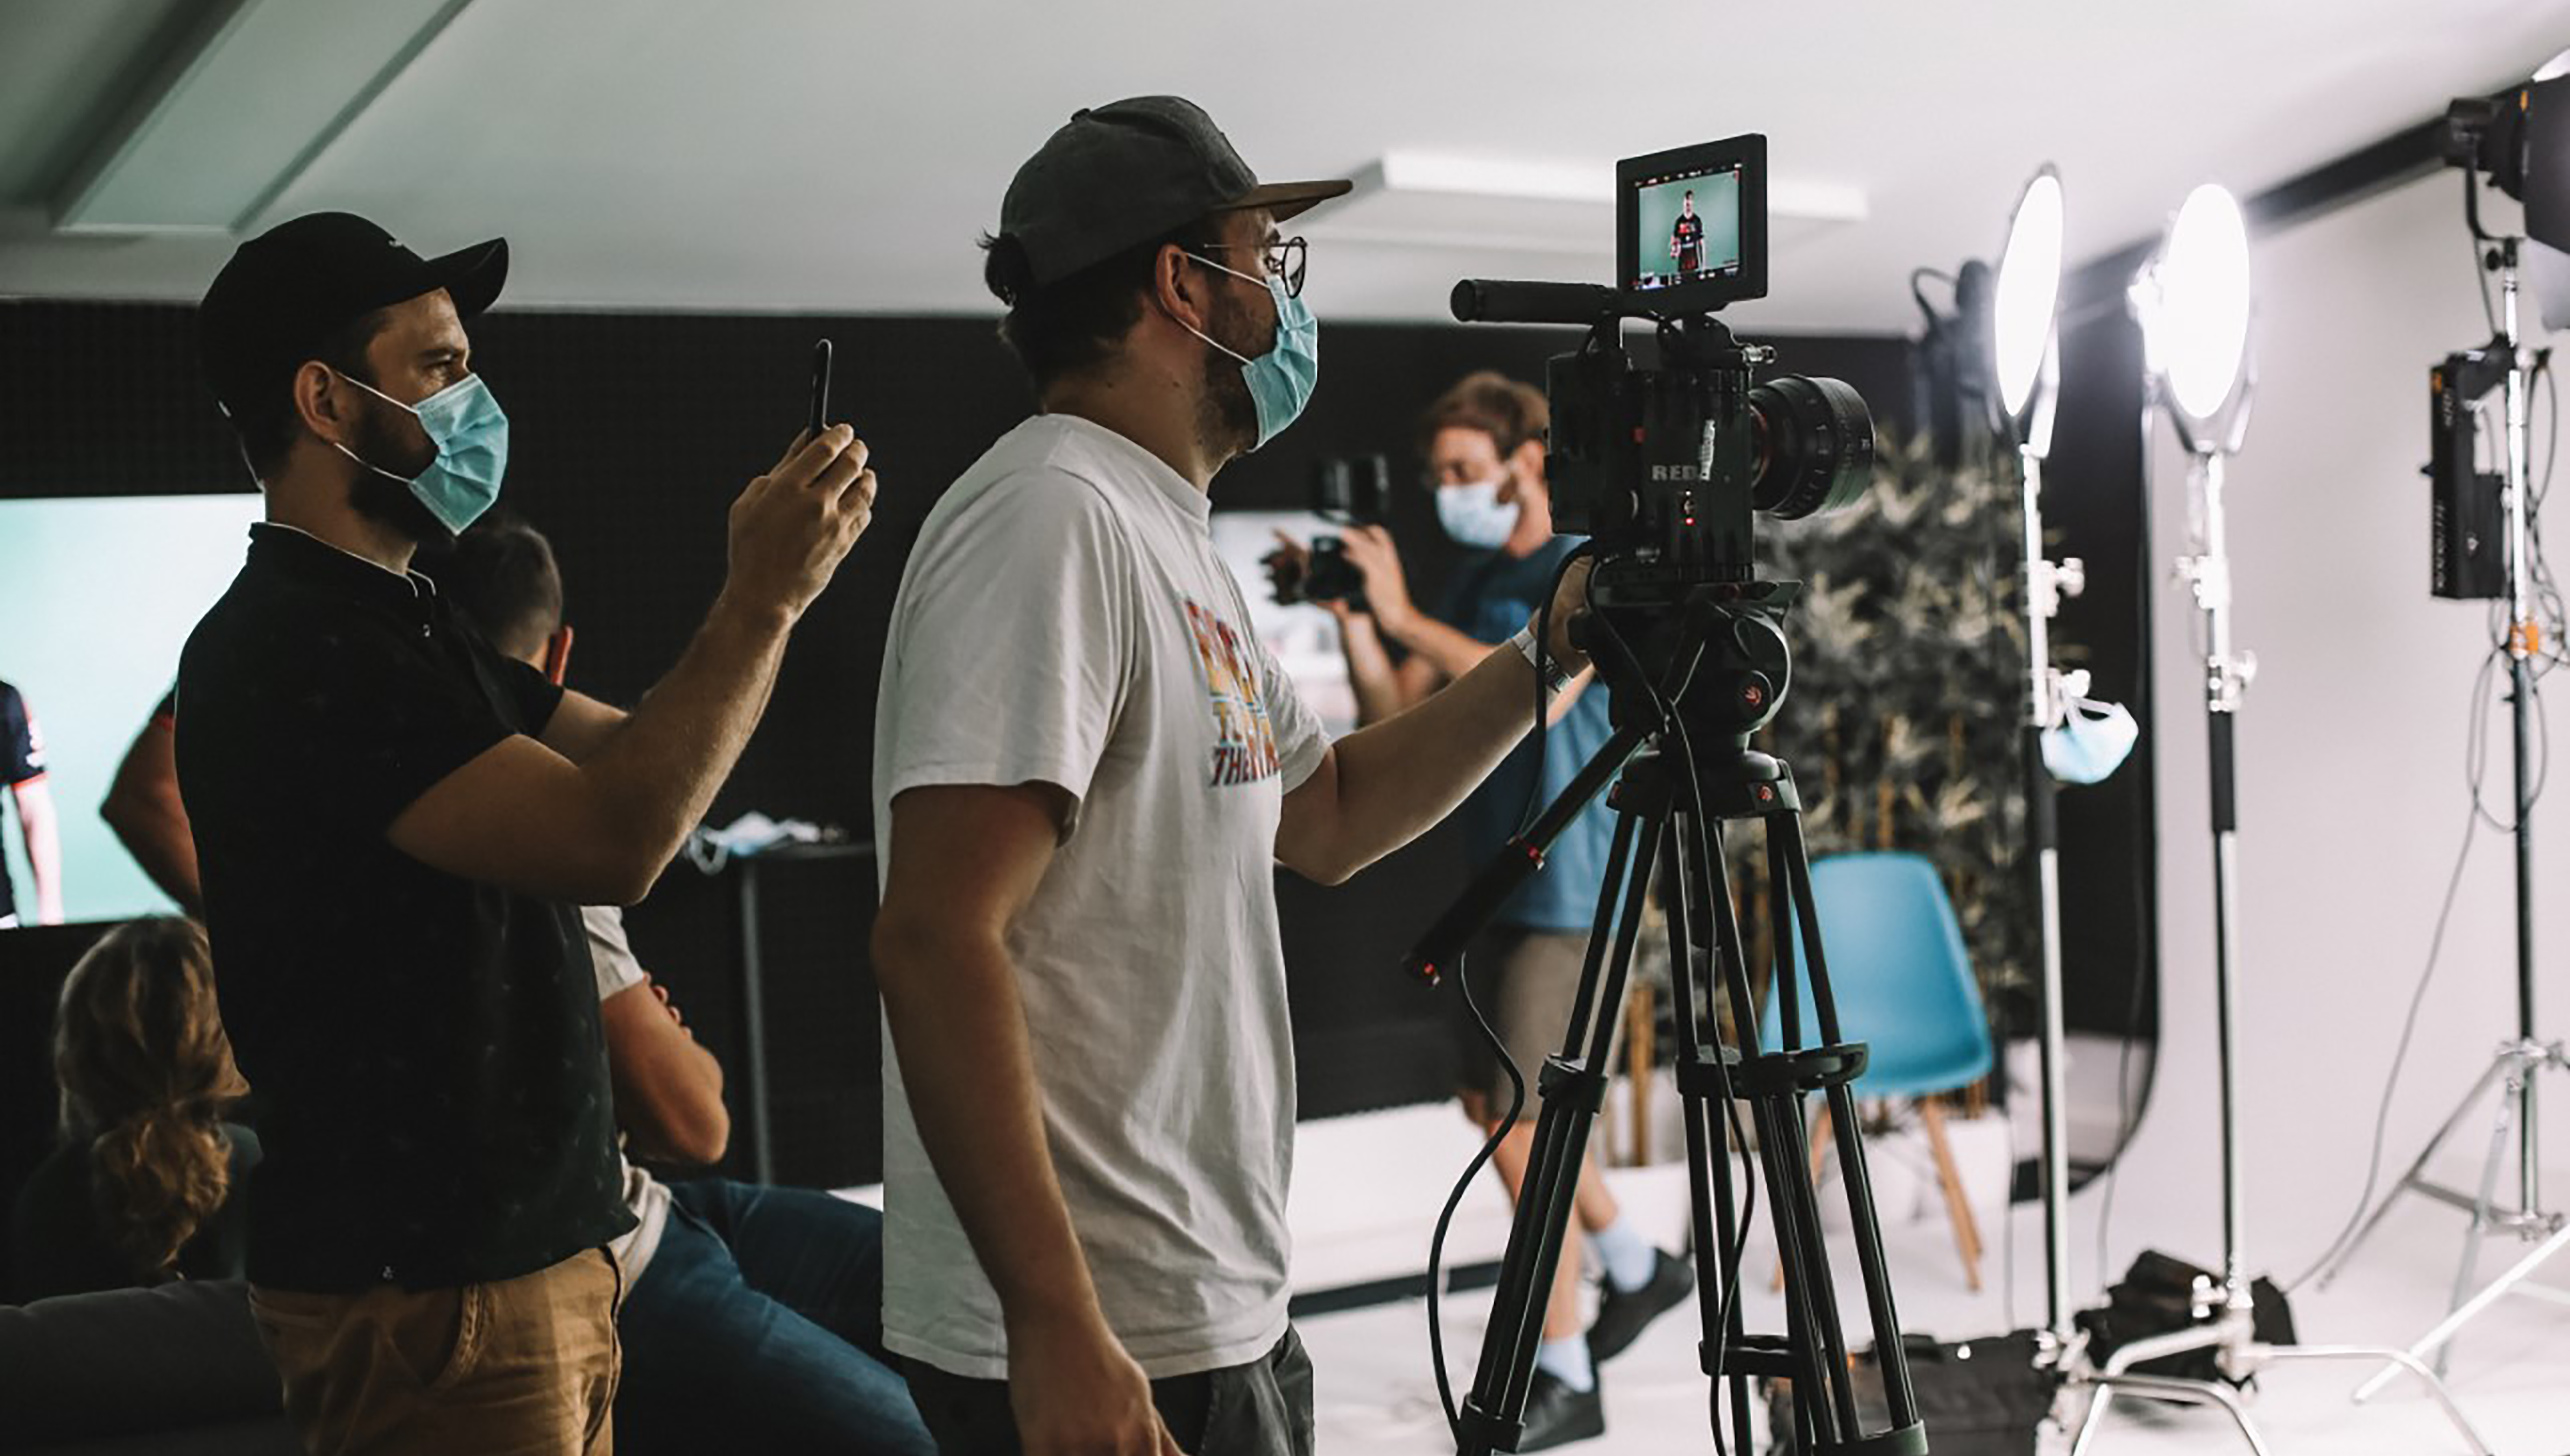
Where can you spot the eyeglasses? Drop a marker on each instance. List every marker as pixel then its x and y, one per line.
pixel 1285 260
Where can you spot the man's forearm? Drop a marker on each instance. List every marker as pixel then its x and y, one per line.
pixel 658 772
pixel 959 1034
pixel 1398 778
pixel 1370 673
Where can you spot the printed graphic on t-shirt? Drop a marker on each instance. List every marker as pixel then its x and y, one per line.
pixel 1244 747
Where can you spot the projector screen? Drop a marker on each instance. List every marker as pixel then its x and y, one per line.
pixel 97 596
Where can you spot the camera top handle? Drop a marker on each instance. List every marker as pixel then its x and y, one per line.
pixel 1502 300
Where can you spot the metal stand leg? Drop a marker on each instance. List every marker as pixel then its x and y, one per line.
pixel 2416 1177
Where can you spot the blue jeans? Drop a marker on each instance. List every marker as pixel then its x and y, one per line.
pixel 757 1326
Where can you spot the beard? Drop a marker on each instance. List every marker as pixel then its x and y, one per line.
pixel 1226 415
pixel 387 502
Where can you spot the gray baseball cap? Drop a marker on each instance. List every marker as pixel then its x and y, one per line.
pixel 1128 172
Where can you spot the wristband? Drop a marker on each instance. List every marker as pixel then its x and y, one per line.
pixel 1555 676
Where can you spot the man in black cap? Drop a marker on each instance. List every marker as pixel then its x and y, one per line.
pixel 1086 766
pixel 392 822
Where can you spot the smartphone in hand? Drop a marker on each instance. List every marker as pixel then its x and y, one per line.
pixel 820 387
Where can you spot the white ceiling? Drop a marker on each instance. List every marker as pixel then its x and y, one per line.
pixel 842 154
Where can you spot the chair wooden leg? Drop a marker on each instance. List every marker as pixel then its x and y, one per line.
pixel 1820 1154
pixel 1641 1016
pixel 1968 1233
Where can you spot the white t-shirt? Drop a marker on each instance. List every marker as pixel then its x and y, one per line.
pixel 613 956
pixel 1064 619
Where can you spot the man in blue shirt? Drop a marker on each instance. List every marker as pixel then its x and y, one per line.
pixel 1484 441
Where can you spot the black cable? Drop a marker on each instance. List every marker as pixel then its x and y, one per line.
pixel 2401 1054
pixel 1454 1200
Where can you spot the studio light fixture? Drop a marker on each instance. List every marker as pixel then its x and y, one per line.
pixel 2194 303
pixel 2519 143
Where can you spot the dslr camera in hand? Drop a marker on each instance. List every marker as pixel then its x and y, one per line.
pixel 1352 489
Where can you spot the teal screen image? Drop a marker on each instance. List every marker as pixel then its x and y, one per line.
pixel 1669 253
pixel 99 596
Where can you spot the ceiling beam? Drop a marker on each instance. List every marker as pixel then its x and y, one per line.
pixel 248 99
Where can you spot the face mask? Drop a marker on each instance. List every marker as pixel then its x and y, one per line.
pixel 2084 750
pixel 1281 380
pixel 472 438
pixel 1474 516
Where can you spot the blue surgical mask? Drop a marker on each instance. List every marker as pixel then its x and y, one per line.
pixel 472 438
pixel 1281 380
pixel 1474 516
pixel 2082 749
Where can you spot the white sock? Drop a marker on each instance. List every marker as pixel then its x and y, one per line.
pixel 1629 1259
pixel 1567 1359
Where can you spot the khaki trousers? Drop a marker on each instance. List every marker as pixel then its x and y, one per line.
pixel 520 1368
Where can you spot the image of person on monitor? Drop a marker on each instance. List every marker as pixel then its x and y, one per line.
pixel 1686 238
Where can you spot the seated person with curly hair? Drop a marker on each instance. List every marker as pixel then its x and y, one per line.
pixel 146 1186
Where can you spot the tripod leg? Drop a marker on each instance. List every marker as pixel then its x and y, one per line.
pixel 1711 1205
pixel 2417 1169
pixel 1820 1141
pixel 2194 1392
pixel 1786 853
pixel 2479 1231
pixel 2099 1397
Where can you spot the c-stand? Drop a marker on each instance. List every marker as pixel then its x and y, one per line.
pixel 1691 672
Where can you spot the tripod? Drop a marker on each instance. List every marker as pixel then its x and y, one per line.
pixel 2232 1334
pixel 2520 1062
pixel 1681 747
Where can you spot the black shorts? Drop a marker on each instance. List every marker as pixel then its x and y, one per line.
pixel 1525 981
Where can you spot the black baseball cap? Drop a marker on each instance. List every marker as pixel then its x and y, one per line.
pixel 286 291
pixel 1128 172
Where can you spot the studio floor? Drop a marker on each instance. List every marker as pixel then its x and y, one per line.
pixel 1377 1396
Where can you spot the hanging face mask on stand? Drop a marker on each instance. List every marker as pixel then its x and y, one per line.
pixel 1474 516
pixel 471 434
pixel 2087 749
pixel 1281 380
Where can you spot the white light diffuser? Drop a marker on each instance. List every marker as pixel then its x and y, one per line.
pixel 2028 291
pixel 2200 318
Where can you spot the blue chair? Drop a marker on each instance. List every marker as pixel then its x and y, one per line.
pixel 1904 985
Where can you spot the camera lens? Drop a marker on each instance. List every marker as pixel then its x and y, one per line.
pixel 1815 446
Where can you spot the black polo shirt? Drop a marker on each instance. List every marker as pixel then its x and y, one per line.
pixel 426 1048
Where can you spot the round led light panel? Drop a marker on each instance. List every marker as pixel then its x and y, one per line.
pixel 2029 288
pixel 2201 316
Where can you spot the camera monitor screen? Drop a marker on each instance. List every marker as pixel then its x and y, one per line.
pixel 1693 226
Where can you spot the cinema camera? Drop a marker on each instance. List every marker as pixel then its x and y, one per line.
pixel 1352 489
pixel 1665 466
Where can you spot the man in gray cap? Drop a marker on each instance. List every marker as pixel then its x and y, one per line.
pixel 1086 766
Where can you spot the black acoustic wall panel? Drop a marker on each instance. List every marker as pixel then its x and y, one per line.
pixel 630 436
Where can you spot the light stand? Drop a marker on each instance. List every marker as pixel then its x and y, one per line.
pixel 2027 365
pixel 2517 1062
pixel 2194 303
